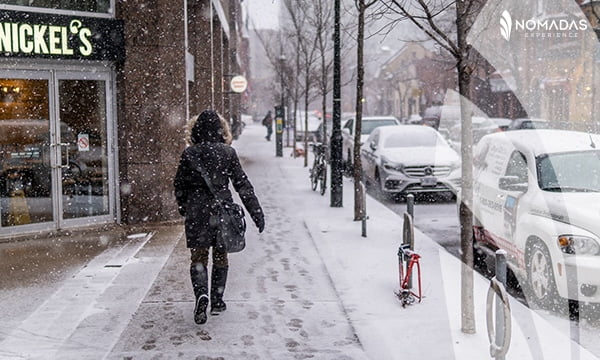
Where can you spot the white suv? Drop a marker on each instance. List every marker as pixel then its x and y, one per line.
pixel 368 124
pixel 536 194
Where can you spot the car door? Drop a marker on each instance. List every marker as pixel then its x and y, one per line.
pixel 490 162
pixel 347 140
pixel 511 194
pixel 369 152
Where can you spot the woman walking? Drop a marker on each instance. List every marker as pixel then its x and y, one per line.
pixel 210 154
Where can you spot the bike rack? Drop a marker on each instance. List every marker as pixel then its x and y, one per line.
pixel 407 259
pixel 500 334
pixel 406 294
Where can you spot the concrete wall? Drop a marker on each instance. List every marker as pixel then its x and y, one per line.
pixel 151 96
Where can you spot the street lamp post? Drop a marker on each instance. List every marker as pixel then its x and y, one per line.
pixel 280 113
pixel 336 133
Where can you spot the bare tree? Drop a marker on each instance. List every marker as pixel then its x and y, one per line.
pixel 435 19
pixel 362 7
pixel 296 71
pixel 319 15
pixel 298 21
pixel 305 38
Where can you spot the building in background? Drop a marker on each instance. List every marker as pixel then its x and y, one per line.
pixel 94 102
pixel 412 80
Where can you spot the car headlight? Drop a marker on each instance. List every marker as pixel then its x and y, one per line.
pixel 388 165
pixel 578 245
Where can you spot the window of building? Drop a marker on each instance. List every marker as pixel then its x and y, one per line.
pixel 95 6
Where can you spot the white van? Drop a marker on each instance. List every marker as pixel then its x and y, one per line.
pixel 536 194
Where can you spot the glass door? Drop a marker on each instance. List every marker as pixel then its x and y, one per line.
pixel 56 159
pixel 84 146
pixel 25 149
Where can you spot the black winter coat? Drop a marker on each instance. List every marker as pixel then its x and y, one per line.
pixel 195 199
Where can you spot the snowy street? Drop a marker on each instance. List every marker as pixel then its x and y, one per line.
pixel 308 287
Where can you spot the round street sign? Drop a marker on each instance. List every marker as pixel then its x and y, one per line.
pixel 239 84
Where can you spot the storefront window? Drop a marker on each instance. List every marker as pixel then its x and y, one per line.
pixel 25 170
pixel 101 6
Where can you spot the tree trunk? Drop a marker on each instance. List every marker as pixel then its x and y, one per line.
pixel 357 170
pixel 306 119
pixel 465 212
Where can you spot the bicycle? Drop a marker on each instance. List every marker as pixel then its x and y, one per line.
pixel 318 172
pixel 405 294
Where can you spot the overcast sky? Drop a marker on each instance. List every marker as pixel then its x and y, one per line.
pixel 263 13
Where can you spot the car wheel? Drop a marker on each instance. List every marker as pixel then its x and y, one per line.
pixel 380 186
pixel 540 276
pixel 479 257
pixel 323 180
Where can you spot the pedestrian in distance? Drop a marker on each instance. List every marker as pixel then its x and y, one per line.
pixel 268 122
pixel 210 156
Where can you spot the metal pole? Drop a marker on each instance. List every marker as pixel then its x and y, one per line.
pixel 501 277
pixel 410 205
pixel 408 239
pixel 364 212
pixel 336 131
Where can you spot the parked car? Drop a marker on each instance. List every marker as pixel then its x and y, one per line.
pixel 536 196
pixel 400 160
pixel 368 124
pixel 414 119
pixel 528 123
pixel 480 125
pixel 313 127
pixel 441 116
pixel 502 123
pixel 320 133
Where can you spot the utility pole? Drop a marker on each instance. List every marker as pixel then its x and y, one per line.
pixel 336 133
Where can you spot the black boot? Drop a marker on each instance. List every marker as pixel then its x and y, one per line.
pixel 199 275
pixel 217 288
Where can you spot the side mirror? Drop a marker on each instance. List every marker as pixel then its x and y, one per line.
pixel 373 146
pixel 512 183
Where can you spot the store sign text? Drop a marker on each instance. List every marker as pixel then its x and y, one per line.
pixel 20 38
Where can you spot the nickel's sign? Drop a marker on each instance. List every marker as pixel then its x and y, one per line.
pixel 25 34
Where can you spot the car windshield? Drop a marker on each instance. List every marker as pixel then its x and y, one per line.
pixel 569 172
pixel 415 139
pixel 482 122
pixel 369 125
pixel 532 124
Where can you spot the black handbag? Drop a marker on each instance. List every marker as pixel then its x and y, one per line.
pixel 232 222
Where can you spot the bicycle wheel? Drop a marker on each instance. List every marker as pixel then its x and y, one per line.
pixel 313 177
pixel 323 178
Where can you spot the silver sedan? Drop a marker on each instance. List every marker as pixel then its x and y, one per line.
pixel 410 159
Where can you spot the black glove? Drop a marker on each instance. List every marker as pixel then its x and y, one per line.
pixel 260 224
pixel 181 210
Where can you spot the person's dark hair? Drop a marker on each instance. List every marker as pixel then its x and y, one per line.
pixel 207 128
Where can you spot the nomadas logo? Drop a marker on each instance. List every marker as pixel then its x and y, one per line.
pixel 506 25
pixel 545 28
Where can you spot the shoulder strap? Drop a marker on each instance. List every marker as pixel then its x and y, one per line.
pixel 208 182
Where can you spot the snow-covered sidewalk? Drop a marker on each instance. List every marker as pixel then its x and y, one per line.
pixel 310 286
pixel 365 275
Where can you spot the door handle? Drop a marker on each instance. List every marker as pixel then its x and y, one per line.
pixel 60 164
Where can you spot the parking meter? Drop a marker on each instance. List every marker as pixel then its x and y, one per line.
pixel 279 120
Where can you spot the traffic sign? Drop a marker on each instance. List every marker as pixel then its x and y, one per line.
pixel 239 84
pixel 83 142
